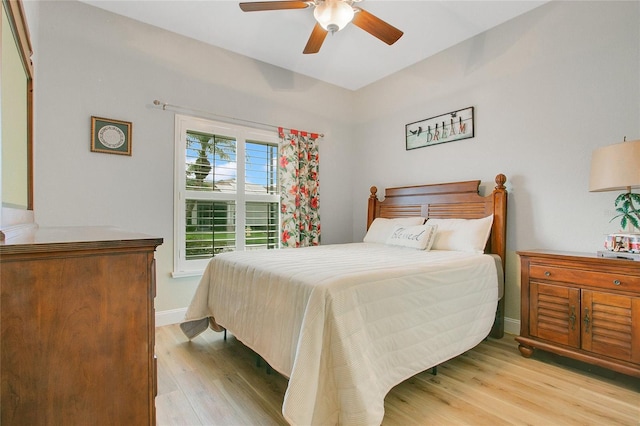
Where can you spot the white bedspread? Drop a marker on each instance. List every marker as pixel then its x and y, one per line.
pixel 348 322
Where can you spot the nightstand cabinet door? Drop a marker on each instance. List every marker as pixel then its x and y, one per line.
pixel 610 323
pixel 555 313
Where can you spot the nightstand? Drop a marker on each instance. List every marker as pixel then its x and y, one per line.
pixel 581 306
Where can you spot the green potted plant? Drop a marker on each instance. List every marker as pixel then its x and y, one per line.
pixel 627 211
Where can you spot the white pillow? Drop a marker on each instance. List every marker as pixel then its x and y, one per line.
pixel 462 234
pixel 381 228
pixel 418 236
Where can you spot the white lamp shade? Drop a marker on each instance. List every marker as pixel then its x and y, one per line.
pixel 615 167
pixel 333 15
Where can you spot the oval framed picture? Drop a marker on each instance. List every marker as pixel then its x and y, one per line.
pixel 111 136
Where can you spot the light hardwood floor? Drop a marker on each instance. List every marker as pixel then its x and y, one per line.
pixel 212 382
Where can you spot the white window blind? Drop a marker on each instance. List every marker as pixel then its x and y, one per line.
pixel 226 191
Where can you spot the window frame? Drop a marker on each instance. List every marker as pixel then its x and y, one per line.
pixel 184 123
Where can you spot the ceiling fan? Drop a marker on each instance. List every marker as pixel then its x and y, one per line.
pixel 331 16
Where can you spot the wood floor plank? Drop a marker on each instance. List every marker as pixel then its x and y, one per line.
pixel 209 381
pixel 480 402
pixel 569 387
pixel 527 398
pixel 174 409
pixel 598 394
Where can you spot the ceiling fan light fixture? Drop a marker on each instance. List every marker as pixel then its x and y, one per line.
pixel 333 15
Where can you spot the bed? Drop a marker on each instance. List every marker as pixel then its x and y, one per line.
pixel 347 322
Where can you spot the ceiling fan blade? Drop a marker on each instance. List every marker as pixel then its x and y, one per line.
pixel 256 6
pixel 376 26
pixel 315 40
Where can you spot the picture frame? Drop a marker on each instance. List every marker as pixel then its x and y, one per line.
pixel 111 136
pixel 449 127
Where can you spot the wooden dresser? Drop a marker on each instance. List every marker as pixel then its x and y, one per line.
pixel 78 327
pixel 583 307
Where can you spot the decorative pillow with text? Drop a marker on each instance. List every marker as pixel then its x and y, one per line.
pixel 381 228
pixel 419 237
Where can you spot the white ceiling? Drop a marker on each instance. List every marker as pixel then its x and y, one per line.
pixel 350 58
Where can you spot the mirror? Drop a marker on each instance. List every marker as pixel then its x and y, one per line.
pixel 16 89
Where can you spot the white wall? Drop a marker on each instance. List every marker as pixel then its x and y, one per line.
pixel 92 62
pixel 548 87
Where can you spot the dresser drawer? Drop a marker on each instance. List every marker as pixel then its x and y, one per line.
pixel 606 280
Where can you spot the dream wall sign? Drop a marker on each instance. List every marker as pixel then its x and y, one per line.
pixel 449 127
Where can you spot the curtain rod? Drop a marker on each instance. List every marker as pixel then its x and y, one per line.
pixel 178 108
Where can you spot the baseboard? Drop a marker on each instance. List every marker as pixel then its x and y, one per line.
pixel 172 316
pixel 512 326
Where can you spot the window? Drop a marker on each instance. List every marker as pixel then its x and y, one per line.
pixel 226 194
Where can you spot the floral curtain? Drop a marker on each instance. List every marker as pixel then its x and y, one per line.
pixel 299 189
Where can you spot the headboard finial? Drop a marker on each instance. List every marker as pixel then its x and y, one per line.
pixel 374 192
pixel 500 181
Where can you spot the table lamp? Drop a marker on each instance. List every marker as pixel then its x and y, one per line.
pixel 617 168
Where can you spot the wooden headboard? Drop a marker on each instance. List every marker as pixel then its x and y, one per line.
pixel 450 200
